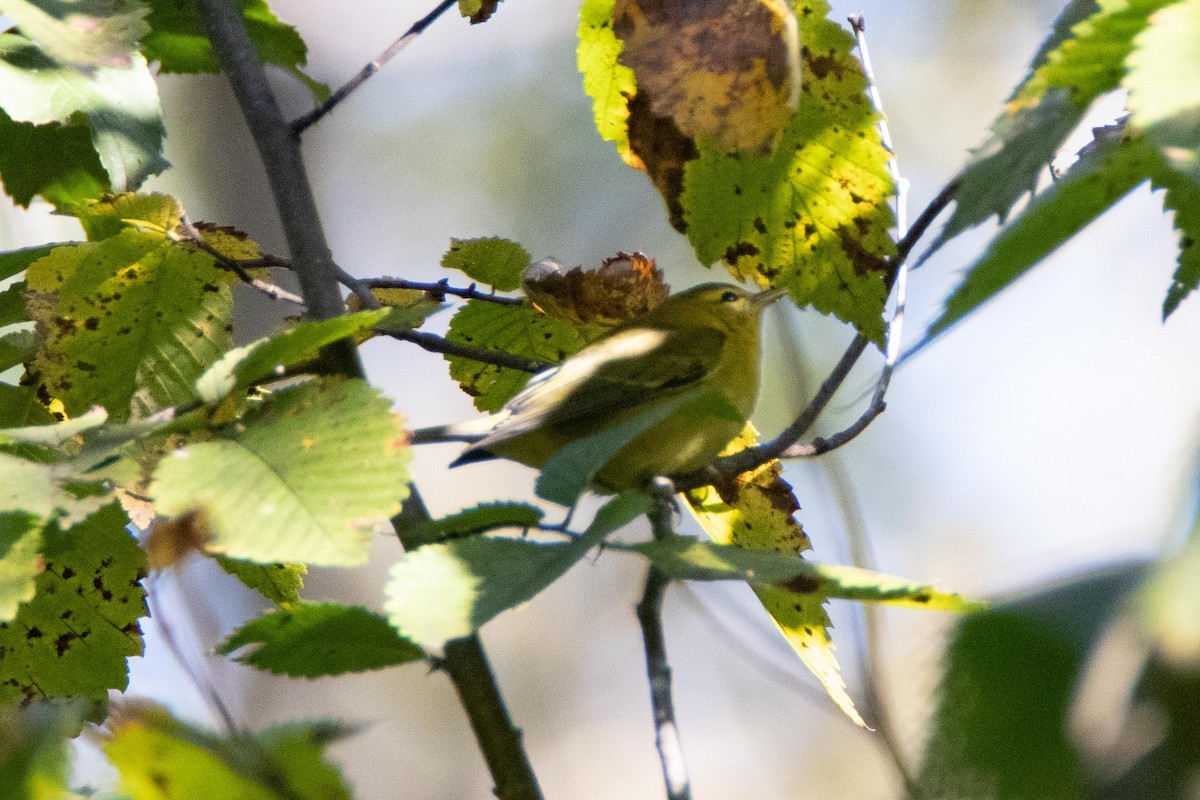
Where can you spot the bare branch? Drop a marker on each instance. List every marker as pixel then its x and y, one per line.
pixel 436 344
pixel 302 123
pixel 239 267
pixel 658 669
pixel 440 289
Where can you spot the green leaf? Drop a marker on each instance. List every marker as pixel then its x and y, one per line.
pixel 688 558
pixel 1182 196
pixel 86 33
pixel 20 552
pixel 756 511
pixel 1011 673
pixel 494 261
pixel 12 304
pixel 569 472
pixel 128 323
pixel 810 214
pixel 54 161
pixel 279 583
pixel 471 522
pixel 19 406
pixel 1164 85
pixel 1092 185
pixel 448 590
pixel 268 358
pixel 308 477
pixel 16 348
pixel 179 42
pixel 161 758
pixel 121 106
pixel 314 639
pixel 519 330
pixel 1062 83
pixel 478 10
pixel 74 636
pixel 17 261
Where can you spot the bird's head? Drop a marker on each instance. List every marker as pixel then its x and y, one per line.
pixel 720 305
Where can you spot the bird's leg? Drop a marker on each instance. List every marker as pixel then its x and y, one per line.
pixel 666 511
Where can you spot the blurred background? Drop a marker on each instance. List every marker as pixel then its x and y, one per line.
pixel 1053 432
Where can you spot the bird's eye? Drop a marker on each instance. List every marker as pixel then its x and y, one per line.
pixel 729 297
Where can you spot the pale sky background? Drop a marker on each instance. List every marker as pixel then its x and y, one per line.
pixel 1052 432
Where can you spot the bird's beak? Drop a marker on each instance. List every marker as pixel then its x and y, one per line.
pixel 764 299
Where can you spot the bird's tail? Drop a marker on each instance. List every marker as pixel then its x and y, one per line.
pixel 470 431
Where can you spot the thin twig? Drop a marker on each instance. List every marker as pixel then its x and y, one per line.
pixel 923 222
pixel 874 701
pixel 440 289
pixel 239 267
pixel 302 123
pixel 751 457
pixel 658 669
pixel 436 344
pixel 201 681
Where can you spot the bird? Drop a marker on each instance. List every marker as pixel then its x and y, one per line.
pixel 690 365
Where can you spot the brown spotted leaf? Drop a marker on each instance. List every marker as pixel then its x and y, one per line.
pixel 74 636
pixel 129 322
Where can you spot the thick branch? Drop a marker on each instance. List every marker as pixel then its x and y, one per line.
pixel 300 125
pixel 464 661
pixel 280 154
pixel 658 669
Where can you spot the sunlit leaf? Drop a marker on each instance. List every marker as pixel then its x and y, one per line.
pixel 308 477
pixel 444 591
pixel 120 104
pixel 755 511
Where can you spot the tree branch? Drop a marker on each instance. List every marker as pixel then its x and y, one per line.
pixel 439 289
pixel 301 124
pixel 237 266
pixel 658 669
pixel 436 344
pixel 465 662
pixel 280 154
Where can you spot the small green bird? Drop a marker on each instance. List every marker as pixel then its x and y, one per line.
pixel 694 359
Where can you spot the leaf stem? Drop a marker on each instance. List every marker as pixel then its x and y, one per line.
pixel 658 669
pixel 303 123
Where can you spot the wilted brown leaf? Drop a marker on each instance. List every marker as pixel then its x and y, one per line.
pixel 624 286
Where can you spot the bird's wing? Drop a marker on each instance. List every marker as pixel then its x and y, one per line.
pixel 614 375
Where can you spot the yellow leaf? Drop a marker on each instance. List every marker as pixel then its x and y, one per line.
pixel 754 510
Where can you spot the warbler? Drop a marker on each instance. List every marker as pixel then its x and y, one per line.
pixel 693 359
